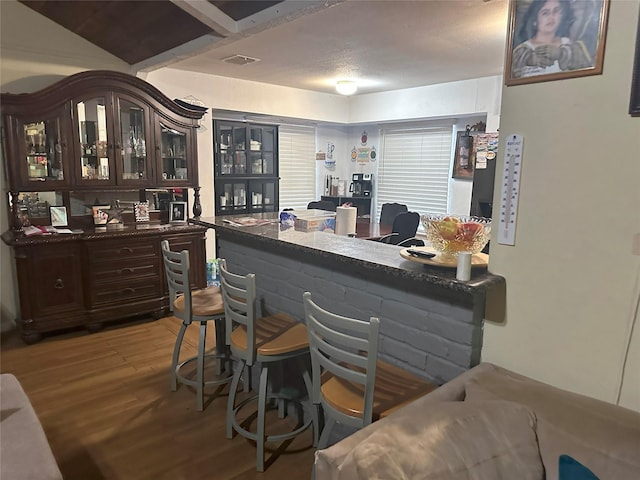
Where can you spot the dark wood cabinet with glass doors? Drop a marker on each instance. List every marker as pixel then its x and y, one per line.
pixel 95 138
pixel 98 130
pixel 246 168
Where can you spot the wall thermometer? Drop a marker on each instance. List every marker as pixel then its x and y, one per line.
pixel 510 190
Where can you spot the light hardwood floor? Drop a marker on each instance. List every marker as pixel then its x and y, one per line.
pixel 105 403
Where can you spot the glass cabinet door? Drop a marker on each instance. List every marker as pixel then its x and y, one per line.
pixel 263 195
pixel 43 150
pixel 232 197
pixel 95 163
pixel 262 150
pixel 174 164
pixel 133 138
pixel 233 155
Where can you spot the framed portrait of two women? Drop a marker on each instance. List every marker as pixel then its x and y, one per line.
pixel 555 39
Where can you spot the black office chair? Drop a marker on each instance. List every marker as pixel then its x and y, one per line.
pixel 322 205
pixel 389 212
pixel 403 232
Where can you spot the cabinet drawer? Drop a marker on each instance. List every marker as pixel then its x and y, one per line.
pixel 124 270
pixel 107 252
pixel 123 292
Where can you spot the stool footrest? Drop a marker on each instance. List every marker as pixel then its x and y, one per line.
pixel 274 437
pixel 194 383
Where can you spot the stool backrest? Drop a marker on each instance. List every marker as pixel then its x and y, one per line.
pixel 239 297
pixel 176 267
pixel 346 348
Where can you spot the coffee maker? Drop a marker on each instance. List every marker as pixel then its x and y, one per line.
pixel 361 185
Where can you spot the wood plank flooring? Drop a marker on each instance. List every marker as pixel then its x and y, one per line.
pixel 105 403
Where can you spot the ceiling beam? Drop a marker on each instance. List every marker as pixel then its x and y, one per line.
pixel 210 15
pixel 181 52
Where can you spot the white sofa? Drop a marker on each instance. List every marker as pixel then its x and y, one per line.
pixel 24 450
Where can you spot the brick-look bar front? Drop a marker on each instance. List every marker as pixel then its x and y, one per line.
pixel 430 324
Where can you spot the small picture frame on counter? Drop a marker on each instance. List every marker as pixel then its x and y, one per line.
pixel 141 212
pixel 58 216
pixel 177 212
pixel 100 214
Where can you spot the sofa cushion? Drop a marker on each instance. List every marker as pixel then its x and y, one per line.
pixel 602 436
pixel 24 447
pixel 451 440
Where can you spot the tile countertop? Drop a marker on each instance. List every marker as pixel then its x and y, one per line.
pixel 374 257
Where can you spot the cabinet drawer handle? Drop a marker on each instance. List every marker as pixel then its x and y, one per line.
pixel 126 250
pixel 126 270
pixel 59 284
pixel 129 290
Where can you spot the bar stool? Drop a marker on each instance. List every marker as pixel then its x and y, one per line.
pixel 270 341
pixel 351 384
pixel 201 306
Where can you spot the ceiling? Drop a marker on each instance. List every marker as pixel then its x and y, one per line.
pixel 382 44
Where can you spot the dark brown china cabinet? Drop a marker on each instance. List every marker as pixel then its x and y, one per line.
pixel 91 138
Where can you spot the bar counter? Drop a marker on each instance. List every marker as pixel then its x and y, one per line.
pixel 431 323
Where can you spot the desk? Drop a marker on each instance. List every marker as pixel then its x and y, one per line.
pixel 363 204
pixel 370 231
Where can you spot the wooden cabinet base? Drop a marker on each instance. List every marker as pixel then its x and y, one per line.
pixel 31 337
pixel 90 279
pixel 94 327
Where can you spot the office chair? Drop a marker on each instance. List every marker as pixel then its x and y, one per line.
pixel 403 232
pixel 269 341
pixel 390 211
pixel 201 306
pixel 322 205
pixel 350 383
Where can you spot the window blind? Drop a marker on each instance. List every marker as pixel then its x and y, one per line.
pixel 296 154
pixel 415 167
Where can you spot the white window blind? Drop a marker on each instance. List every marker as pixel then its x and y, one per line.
pixel 415 167
pixel 297 164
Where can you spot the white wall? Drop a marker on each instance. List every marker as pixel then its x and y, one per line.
pixel 571 277
pixel 332 112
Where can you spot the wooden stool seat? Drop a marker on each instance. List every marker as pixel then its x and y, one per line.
pixel 275 335
pixel 204 302
pixel 392 385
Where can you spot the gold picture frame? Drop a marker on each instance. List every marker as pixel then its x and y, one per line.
pixel 555 40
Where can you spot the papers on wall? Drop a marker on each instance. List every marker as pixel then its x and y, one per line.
pixel 486 146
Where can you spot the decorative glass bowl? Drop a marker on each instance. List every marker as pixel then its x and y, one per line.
pixel 451 234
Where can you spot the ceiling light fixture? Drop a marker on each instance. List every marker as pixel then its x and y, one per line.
pixel 346 87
